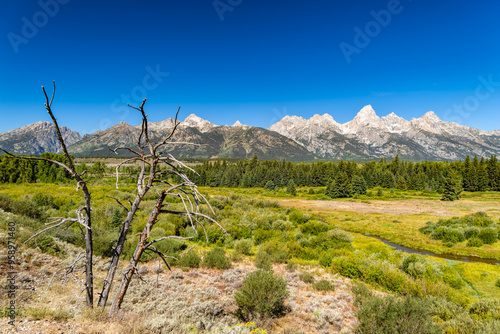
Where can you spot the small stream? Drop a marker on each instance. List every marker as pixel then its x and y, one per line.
pixel 453 257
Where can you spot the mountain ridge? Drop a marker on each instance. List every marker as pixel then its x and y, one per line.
pixel 366 136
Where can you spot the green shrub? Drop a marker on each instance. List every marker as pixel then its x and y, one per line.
pixel 485 309
pixel 474 242
pixel 306 277
pixel 311 191
pixel 244 246
pixel 190 259
pixel 488 235
pixel 44 200
pixel 298 217
pixel 313 227
pixel 216 258
pixel 324 285
pixel 389 315
pixel 270 185
pixel 263 260
pixel 48 246
pixel 497 284
pixel 325 260
pixel 340 235
pixel 471 232
pixel 292 266
pixel 261 296
pixel 361 293
pixel 277 250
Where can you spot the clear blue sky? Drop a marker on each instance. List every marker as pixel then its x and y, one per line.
pixel 249 60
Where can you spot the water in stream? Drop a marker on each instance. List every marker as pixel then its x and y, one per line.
pixel 462 258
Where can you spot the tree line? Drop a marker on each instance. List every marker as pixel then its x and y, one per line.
pixel 345 178
pixel 342 179
pixel 33 171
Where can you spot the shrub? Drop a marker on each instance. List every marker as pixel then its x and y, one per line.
pixel 244 246
pixel 313 227
pixel 263 260
pixel 474 242
pixel 325 260
pixel 306 277
pixel 488 235
pixel 292 266
pixel 311 191
pixel 485 309
pixel 191 259
pixel 281 225
pixel 388 315
pixel 298 217
pixel 216 258
pixel 261 296
pixel 270 185
pixel 48 246
pixel 324 285
pixel 340 235
pixel 472 231
pixel 454 235
pixel 44 200
pixel 497 284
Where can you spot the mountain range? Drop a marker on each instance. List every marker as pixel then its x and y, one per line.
pixel 294 138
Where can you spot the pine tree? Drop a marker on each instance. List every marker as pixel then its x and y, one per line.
pixel 359 185
pixel 340 187
pixel 493 173
pixel 452 187
pixel 468 175
pixel 482 176
pixel 401 183
pixel 291 188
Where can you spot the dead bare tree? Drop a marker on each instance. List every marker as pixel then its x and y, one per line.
pixel 83 214
pixel 152 156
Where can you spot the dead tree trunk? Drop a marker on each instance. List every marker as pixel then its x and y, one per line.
pixel 141 247
pixel 84 220
pixel 118 251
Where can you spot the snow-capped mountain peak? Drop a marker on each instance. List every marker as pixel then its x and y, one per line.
pixel 395 124
pixel 366 118
pixel 194 121
pixel 238 124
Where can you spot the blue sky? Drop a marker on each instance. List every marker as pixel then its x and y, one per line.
pixel 253 61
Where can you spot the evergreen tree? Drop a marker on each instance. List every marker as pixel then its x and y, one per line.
pixel 291 188
pixel 452 187
pixel 401 183
pixel 493 173
pixel 468 175
pixel 270 185
pixel 482 176
pixel 359 185
pixel 341 186
pixel 388 179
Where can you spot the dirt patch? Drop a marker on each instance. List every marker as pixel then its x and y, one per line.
pixel 401 207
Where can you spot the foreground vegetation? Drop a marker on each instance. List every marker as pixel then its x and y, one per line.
pixel 454 297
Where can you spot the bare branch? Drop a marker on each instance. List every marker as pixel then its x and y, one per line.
pixel 176 124
pixel 118 201
pixel 39 159
pixel 70 268
pixel 63 220
pixel 165 238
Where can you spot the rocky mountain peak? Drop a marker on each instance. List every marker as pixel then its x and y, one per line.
pixel 367 112
pixel 194 121
pixel 395 124
pixel 431 116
